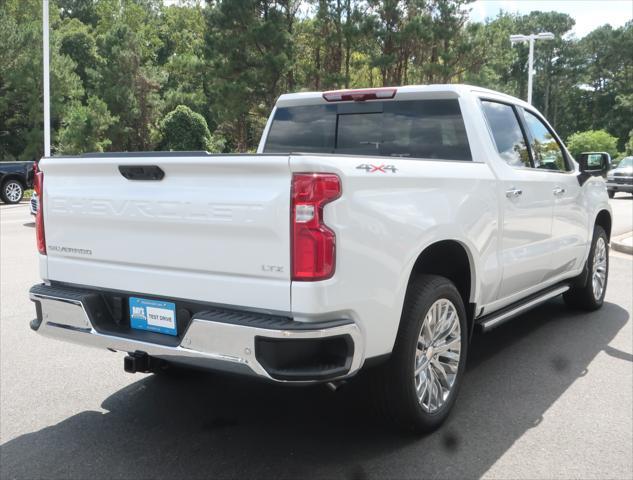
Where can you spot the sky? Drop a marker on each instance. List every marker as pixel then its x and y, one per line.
pixel 588 14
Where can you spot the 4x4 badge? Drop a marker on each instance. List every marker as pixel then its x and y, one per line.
pixel 377 168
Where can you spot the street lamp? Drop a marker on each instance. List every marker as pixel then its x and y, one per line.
pixel 47 88
pixel 531 38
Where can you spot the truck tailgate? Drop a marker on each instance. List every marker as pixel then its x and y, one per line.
pixel 214 229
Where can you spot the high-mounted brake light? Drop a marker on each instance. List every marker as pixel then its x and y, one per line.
pixel 38 186
pixel 359 95
pixel 313 243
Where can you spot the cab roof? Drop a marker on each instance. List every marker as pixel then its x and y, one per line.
pixel 409 92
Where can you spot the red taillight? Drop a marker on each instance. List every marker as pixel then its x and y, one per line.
pixel 359 95
pixel 38 186
pixel 313 243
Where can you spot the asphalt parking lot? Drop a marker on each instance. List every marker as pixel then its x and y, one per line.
pixel 549 395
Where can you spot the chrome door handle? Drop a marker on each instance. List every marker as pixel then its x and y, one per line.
pixel 514 192
pixel 558 191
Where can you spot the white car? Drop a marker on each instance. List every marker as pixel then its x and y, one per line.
pixel 373 228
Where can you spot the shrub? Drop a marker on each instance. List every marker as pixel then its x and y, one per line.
pixel 183 129
pixel 592 141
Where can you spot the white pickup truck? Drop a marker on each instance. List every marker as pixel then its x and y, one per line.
pixel 373 228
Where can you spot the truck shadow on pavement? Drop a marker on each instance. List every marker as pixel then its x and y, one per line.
pixel 221 427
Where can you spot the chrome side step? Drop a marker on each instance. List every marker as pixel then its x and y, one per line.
pixel 488 322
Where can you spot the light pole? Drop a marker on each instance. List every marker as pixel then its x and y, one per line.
pixel 47 88
pixel 531 38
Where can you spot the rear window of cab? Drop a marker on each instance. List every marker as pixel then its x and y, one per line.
pixel 424 129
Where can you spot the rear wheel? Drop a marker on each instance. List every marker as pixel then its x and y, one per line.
pixel 590 294
pixel 611 193
pixel 417 387
pixel 12 191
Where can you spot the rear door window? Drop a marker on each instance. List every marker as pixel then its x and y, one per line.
pixel 432 129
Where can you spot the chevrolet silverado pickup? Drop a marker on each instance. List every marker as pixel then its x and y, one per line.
pixel 374 229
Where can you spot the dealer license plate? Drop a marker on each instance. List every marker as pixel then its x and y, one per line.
pixel 153 315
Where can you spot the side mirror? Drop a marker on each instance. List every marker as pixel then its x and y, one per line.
pixel 594 164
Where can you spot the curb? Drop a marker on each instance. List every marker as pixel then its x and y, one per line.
pixel 623 243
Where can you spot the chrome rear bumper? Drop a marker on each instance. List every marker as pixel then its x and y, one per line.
pixel 215 341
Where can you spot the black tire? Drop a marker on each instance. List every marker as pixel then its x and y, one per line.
pixel 611 193
pixel 582 295
pixel 12 191
pixel 393 384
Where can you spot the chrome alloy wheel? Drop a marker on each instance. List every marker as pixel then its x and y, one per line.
pixel 599 270
pixel 13 191
pixel 437 355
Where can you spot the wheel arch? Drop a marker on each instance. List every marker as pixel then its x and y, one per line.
pixel 454 260
pixel 13 176
pixel 603 218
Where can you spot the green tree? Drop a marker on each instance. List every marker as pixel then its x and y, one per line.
pixel 247 52
pixel 331 36
pixel 129 87
pixel 183 129
pixel 452 52
pixel 230 59
pixel 82 10
pixel 387 24
pixel 143 17
pixel 182 59
pixel 592 141
pixel 549 57
pixel 491 41
pixel 78 43
pixel 85 127
pixel 181 30
pixel 21 112
pixel 607 73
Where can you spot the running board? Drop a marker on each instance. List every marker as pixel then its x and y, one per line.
pixel 488 322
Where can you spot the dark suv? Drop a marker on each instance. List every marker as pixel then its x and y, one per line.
pixel 15 177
